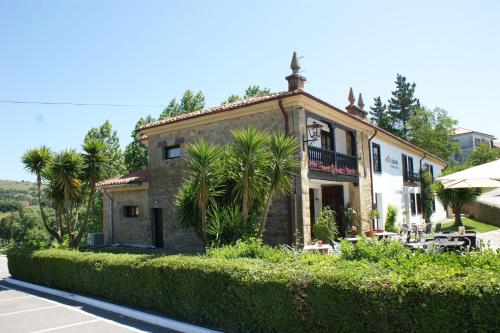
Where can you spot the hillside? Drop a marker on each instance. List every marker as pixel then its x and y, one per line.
pixel 24 192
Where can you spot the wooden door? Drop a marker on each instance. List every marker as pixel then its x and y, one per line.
pixel 157 217
pixel 333 197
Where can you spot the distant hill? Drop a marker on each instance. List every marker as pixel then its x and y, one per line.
pixel 24 192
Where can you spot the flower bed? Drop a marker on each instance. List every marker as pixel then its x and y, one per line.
pixel 333 169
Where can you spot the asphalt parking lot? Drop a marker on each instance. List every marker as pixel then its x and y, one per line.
pixel 23 311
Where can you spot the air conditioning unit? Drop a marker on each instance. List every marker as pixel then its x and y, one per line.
pixel 95 239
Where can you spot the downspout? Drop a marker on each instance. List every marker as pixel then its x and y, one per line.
pixel 419 173
pixel 370 166
pixel 289 199
pixel 110 215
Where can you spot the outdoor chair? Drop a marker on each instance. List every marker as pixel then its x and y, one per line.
pixel 335 245
pixel 438 228
pixel 290 249
pixel 428 228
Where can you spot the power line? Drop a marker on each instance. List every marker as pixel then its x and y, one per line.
pixel 80 104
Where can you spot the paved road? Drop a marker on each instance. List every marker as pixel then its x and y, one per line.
pixel 22 310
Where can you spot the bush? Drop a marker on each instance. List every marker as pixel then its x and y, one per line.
pixel 390 219
pixel 250 248
pixel 389 290
pixel 325 227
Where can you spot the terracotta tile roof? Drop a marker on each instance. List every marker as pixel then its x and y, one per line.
pixel 223 107
pixel 135 177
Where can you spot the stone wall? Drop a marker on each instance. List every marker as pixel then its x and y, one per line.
pixel 128 230
pixel 483 212
pixel 166 175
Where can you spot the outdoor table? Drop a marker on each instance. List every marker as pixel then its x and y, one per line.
pixel 449 244
pixel 324 248
pixel 385 234
pixel 455 235
pixel 353 240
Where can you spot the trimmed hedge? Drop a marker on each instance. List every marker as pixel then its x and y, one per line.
pixel 305 294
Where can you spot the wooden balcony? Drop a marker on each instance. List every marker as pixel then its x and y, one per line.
pixel 330 165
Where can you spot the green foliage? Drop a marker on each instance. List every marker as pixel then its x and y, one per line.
pixel 372 287
pixel 390 218
pixel 9 205
pixel 427 194
pixel 226 225
pixel 325 226
pixel 379 115
pixel 482 154
pixel 136 153
pixel 189 102
pixel 402 106
pixel 435 124
pixel 249 248
pixel 455 198
pixel 22 226
pixel 251 91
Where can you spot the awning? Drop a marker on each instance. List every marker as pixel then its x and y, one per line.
pixel 484 175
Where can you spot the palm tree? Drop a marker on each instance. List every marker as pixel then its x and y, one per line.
pixel 66 171
pixel 204 173
pixel 249 159
pixel 284 159
pixel 36 161
pixel 95 164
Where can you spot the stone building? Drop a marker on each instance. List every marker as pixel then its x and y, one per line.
pixel 469 140
pixel 335 154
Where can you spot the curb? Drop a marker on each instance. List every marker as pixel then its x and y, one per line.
pixel 136 314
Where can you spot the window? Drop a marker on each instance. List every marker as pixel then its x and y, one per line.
pixel 412 204
pixel 377 163
pixel 131 211
pixel 172 152
pixel 410 166
pixel 405 167
pixel 350 148
pixel 326 140
pixel 477 142
pixel 419 204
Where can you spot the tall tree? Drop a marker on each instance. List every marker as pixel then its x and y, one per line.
pixel 455 198
pixel 251 91
pixel 402 105
pixel 482 154
pixel 379 115
pixel 284 159
pixel 189 102
pixel 95 164
pixel 36 162
pixel 248 165
pixel 112 150
pixel 136 153
pixel 436 124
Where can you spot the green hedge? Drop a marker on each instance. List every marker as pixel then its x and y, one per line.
pixel 306 294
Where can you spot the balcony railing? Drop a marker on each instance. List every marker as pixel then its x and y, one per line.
pixel 411 177
pixel 330 161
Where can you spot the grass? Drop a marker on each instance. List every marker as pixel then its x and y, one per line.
pixel 3 214
pixel 16 185
pixel 470 224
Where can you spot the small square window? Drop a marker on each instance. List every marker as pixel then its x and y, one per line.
pixel 377 162
pixel 172 152
pixel 131 211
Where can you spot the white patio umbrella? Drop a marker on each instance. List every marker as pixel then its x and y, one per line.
pixel 484 175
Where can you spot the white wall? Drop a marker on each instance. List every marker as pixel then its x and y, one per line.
pixel 390 183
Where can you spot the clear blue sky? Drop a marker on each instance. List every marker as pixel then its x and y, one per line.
pixel 147 52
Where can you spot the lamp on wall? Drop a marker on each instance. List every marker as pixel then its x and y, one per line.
pixel 314 132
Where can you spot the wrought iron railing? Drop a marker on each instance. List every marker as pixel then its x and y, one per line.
pixel 332 161
pixel 411 177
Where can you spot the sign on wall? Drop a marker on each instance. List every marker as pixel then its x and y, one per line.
pixel 392 162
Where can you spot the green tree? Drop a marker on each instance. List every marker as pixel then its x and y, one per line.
pixel 482 154
pixel 189 102
pixel 379 115
pixel 205 176
pixel 95 163
pixel 36 161
pixel 402 105
pixel 66 171
pixel 284 159
pixel 455 198
pixel 249 160
pixel 436 124
pixel 251 91
pixel 427 194
pixel 136 153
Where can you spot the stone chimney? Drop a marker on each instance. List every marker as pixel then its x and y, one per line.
pixel 356 110
pixel 295 80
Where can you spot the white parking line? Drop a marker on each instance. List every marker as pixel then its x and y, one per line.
pixel 30 310
pixel 79 310
pixel 14 298
pixel 66 326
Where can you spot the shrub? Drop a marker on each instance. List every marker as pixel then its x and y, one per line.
pixel 325 227
pixel 362 291
pixel 250 248
pixel 390 219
